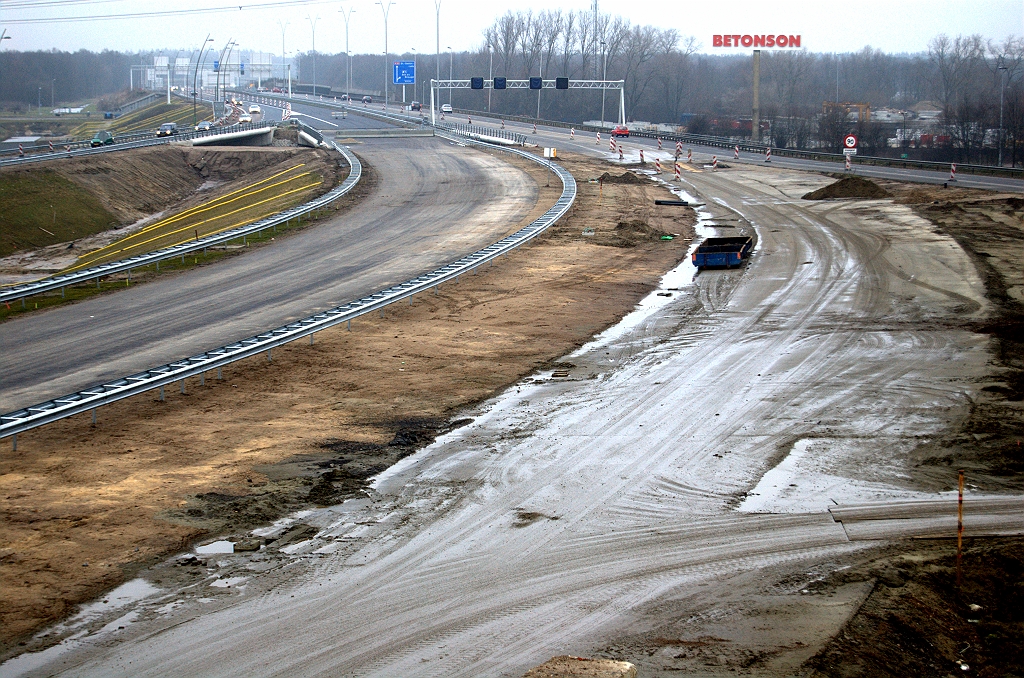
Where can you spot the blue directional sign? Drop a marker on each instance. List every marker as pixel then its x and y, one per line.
pixel 405 73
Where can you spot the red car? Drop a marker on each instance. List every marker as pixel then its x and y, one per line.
pixel 620 131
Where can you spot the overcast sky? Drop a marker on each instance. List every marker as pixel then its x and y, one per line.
pixel 889 25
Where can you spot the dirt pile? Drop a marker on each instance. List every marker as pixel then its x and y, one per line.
pixel 624 178
pixel 569 667
pixel 919 622
pixel 315 423
pixel 849 187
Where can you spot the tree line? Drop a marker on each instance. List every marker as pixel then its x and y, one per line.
pixel 667 80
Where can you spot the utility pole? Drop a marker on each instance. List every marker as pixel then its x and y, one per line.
pixel 348 55
pixel 1002 89
pixel 604 53
pixel 755 122
pixel 437 57
pixel 312 22
pixel 450 71
pixel 490 77
pixel 386 9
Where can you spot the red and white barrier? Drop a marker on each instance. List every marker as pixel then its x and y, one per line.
pixel 51 146
pixel 679 147
pixel 470 119
pixel 847 163
pixel 620 152
pixel 611 144
pixel 657 165
pixel 689 156
pixel 952 171
pixel 598 138
pixel 714 163
pixel 534 127
pixel 21 151
pixel 676 172
pixel 659 143
pixel 572 133
pixel 735 152
pixel 768 154
pixel 642 157
pixel 502 124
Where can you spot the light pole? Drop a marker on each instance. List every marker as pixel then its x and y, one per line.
pixel 284 27
pixel 903 143
pixel 312 23
pixel 450 71
pixel 348 55
pixel 39 100
pixel 415 61
pixel 1002 88
pixel 195 77
pixel 386 9
pixel 220 69
pixel 604 55
pixel 490 77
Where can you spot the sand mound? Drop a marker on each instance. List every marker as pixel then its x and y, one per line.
pixel 624 178
pixel 849 187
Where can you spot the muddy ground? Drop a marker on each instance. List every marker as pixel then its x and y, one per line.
pixel 85 507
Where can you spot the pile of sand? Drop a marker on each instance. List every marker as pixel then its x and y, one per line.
pixel 849 187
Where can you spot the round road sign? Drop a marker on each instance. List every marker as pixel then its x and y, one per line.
pixel 850 141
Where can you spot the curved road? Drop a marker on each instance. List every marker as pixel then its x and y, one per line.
pixel 634 496
pixel 433 203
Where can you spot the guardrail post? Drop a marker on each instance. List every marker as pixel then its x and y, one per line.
pixel 270 355
pixel 311 338
pixel 158 267
pixel 61 292
pixel 14 442
pixel 161 394
pixel 219 375
pixel 349 325
pixel 23 303
pixel 202 378
pixel 94 416
pixel 182 383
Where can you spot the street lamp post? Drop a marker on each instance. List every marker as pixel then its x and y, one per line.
pixel 386 9
pixel 415 62
pixel 437 56
pixel 1002 89
pixel 348 55
pixel 450 71
pixel 284 27
pixel 604 55
pixel 195 76
pixel 490 77
pixel 312 23
pixel 39 100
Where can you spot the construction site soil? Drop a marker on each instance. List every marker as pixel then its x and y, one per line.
pixel 86 507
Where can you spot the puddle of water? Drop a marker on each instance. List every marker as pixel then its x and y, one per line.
pixel 228 583
pixel 216 547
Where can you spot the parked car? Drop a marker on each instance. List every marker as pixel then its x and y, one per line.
pixel 262 89
pixel 204 125
pixel 102 138
pixel 168 129
pixel 254 109
pixel 245 117
pixel 416 106
pixel 367 100
pixel 620 131
pixel 446 108
pixel 276 90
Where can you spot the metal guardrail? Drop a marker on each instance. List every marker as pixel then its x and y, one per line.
pixel 728 144
pixel 89 399
pixel 61 281
pixel 478 131
pixel 82 148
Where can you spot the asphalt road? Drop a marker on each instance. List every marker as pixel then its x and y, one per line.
pixel 434 203
pixel 686 467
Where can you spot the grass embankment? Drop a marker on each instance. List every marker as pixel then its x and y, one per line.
pixel 44 208
pixel 145 119
pixel 246 205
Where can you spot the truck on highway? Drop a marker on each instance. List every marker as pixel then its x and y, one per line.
pixel 722 252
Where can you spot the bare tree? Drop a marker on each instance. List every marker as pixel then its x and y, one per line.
pixel 957 60
pixel 643 44
pixel 568 41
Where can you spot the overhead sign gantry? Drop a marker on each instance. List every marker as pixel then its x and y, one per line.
pixel 530 84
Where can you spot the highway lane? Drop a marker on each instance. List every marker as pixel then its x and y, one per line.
pixel 585 142
pixel 433 203
pixel 572 513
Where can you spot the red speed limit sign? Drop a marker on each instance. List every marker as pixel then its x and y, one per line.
pixel 850 141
